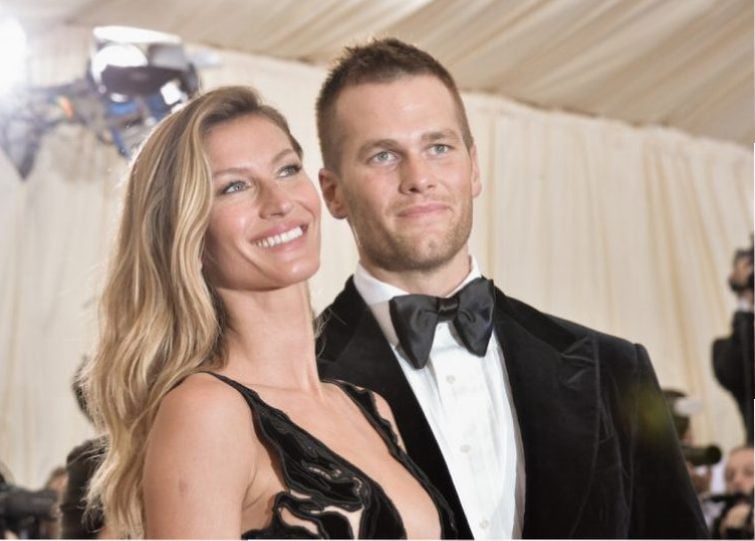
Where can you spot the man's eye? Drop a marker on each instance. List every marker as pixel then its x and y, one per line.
pixel 440 148
pixel 235 186
pixel 383 157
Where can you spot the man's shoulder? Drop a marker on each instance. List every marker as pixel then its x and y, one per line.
pixel 554 328
pixel 348 314
pixel 622 369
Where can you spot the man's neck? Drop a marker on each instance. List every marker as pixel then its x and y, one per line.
pixel 438 281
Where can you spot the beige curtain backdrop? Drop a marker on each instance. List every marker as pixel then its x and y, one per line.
pixel 626 229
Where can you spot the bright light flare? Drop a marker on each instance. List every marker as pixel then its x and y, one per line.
pixel 121 55
pixel 13 58
pixel 172 94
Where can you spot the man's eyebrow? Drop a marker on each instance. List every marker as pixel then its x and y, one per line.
pixel 441 134
pixel 241 169
pixel 375 143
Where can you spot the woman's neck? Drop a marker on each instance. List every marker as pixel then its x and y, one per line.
pixel 270 338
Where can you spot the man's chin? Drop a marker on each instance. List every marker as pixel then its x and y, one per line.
pixel 417 260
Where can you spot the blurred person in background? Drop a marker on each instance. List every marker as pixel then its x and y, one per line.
pixel 57 481
pixel 702 461
pixel 29 514
pixel 733 356
pixel 81 464
pixel 736 520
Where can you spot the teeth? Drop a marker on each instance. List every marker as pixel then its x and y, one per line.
pixel 275 240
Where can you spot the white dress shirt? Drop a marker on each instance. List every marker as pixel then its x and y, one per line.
pixel 467 403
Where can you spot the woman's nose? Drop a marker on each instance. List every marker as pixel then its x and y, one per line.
pixel 275 201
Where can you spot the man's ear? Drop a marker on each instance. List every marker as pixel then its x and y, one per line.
pixel 476 182
pixel 332 193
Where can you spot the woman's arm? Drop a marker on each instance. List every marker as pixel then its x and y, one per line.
pixel 199 462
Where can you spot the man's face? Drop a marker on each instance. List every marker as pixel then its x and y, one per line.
pixel 739 471
pixel 405 178
pixel 741 270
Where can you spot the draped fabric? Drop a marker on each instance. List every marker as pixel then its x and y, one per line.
pixel 684 63
pixel 630 230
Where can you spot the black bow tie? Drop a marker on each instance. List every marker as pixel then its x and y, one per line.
pixel 470 310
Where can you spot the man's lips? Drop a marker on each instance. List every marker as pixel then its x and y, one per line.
pixel 422 209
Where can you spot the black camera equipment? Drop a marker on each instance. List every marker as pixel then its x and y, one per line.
pixel 21 510
pixel 701 456
pixel 729 500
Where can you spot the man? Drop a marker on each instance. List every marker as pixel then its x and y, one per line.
pixel 733 356
pixel 735 520
pixel 529 425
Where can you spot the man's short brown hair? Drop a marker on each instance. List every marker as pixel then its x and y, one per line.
pixel 379 61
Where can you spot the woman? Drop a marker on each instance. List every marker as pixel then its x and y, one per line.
pixel 205 378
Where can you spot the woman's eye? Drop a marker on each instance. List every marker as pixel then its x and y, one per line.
pixel 289 170
pixel 383 157
pixel 235 186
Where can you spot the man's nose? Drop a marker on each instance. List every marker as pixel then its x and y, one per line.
pixel 416 175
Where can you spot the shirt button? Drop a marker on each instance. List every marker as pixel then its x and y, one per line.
pixel 484 524
pixel 464 448
pixel 450 379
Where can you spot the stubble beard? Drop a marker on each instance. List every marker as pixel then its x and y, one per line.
pixel 404 253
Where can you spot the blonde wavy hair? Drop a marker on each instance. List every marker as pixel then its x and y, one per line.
pixel 160 319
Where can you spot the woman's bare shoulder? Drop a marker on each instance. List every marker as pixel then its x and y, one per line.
pixel 206 394
pixel 201 456
pixel 204 415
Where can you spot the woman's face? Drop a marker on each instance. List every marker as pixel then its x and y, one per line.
pixel 264 230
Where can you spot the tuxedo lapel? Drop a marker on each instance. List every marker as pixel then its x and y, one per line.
pixel 366 356
pixel 353 348
pixel 553 378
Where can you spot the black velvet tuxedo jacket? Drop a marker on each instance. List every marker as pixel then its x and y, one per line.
pixel 601 457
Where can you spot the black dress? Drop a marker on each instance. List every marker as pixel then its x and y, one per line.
pixel 322 487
